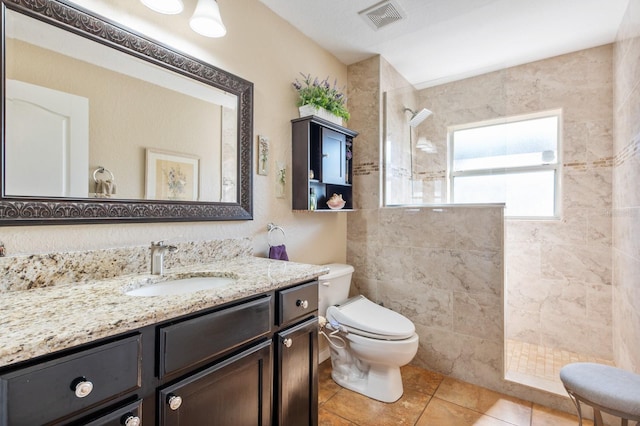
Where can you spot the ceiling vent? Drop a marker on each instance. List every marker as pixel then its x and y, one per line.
pixel 382 14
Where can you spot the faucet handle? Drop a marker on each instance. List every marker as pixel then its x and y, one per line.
pixel 161 244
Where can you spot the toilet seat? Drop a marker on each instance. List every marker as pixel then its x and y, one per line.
pixel 361 316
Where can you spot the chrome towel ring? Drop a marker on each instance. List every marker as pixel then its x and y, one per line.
pixel 274 232
pixel 102 170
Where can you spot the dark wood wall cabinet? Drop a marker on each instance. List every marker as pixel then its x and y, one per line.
pixel 250 362
pixel 321 153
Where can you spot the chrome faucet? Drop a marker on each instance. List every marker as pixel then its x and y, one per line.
pixel 157 256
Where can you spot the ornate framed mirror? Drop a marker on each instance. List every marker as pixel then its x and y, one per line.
pixel 101 124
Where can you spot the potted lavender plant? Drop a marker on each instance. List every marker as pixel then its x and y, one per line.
pixel 320 98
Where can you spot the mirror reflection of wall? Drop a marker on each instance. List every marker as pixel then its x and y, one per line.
pixel 126 116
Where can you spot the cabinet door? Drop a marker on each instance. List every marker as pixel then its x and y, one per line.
pixel 333 157
pixel 235 391
pixel 297 375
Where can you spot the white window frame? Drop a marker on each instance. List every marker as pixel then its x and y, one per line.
pixel 557 166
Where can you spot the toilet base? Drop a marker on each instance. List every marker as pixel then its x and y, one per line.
pixel 376 381
pixel 382 384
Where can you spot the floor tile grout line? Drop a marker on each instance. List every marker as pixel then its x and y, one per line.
pixel 476 411
pixel 423 409
pixel 431 396
pixel 479 412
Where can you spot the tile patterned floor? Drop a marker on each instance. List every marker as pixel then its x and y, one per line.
pixel 539 366
pixel 543 361
pixel 434 400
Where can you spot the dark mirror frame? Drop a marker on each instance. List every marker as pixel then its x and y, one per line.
pixel 40 211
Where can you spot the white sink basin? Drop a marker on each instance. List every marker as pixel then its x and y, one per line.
pixel 177 286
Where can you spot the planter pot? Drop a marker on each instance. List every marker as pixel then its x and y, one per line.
pixel 307 110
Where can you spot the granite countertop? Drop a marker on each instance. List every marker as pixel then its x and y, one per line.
pixel 41 321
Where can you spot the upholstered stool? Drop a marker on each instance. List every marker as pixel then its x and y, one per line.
pixel 604 388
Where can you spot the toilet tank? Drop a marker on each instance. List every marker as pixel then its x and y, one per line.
pixel 333 287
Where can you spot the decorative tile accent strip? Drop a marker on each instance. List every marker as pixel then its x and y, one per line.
pixel 363 169
pixel 628 152
pixel 46 270
pixel 398 172
pixel 597 164
pixel 432 175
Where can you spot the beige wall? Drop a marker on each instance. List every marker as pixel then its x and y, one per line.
pixel 261 48
pixel 558 271
pixel 626 200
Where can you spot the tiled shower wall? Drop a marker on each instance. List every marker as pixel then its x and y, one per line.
pixel 558 271
pixel 626 217
pixel 442 268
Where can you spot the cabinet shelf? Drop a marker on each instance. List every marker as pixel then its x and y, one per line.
pixel 320 150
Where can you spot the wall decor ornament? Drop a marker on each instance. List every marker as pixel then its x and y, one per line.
pixel 263 155
pixel 281 179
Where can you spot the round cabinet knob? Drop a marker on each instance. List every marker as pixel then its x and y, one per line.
pixel 174 402
pixel 287 342
pixel 303 304
pixel 82 387
pixel 131 420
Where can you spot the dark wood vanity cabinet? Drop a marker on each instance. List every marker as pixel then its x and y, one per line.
pixel 62 390
pixel 250 362
pixel 196 340
pixel 296 361
pixel 223 360
pixel 235 391
pixel 320 162
pixel 297 374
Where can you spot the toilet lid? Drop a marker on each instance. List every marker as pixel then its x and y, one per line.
pixel 362 316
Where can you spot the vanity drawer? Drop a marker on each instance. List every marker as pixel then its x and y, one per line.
pixel 297 301
pixel 200 339
pixel 51 390
pixel 118 416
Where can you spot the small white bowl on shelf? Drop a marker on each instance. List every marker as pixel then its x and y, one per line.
pixel 336 207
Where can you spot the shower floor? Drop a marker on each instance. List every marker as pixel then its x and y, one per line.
pixel 539 366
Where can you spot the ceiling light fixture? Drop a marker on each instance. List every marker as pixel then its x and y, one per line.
pixel 206 19
pixel 168 7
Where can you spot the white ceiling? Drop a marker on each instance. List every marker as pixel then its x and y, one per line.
pixel 446 40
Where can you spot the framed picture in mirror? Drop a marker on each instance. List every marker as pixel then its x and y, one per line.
pixel 171 176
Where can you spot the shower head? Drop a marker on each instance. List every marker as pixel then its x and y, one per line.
pixel 418 117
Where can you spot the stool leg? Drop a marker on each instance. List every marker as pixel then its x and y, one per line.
pixel 624 422
pixel 597 418
pixel 577 404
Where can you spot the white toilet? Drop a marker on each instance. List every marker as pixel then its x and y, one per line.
pixel 368 343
